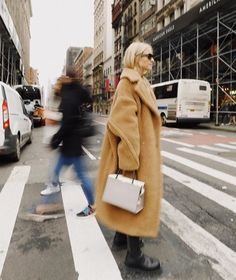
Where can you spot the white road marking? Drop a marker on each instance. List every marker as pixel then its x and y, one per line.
pixel 177 142
pixel 92 157
pixel 209 192
pixel 92 256
pixel 212 148
pixel 201 168
pixel 174 132
pixel 226 146
pixel 221 257
pixel 233 143
pixel 203 133
pixel 218 135
pixel 209 156
pixel 10 198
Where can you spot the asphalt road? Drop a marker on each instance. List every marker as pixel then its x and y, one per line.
pixel 197 236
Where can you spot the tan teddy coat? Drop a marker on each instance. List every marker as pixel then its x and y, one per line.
pixel 132 142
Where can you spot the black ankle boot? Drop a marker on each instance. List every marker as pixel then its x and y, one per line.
pixel 136 259
pixel 120 241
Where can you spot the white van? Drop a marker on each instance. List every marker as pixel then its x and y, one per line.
pixel 15 123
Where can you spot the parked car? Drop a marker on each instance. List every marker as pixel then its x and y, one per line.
pixel 15 123
pixel 33 97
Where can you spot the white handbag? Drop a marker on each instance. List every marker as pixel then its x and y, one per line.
pixel 124 192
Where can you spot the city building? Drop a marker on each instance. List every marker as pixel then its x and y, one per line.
pixel 117 37
pixel 15 41
pixel 71 54
pixel 88 71
pixel 125 24
pixel 103 52
pixel 130 22
pixel 33 77
pixel 197 40
pixel 79 61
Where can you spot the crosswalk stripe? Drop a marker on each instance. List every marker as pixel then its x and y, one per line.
pixel 209 156
pixel 200 167
pixel 212 148
pixel 221 257
pixel 10 198
pixel 226 146
pixel 91 254
pixel 177 142
pixel 223 199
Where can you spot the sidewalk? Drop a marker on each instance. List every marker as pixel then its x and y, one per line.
pixel 210 125
pixel 225 127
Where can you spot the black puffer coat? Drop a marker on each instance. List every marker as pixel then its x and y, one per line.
pixel 73 97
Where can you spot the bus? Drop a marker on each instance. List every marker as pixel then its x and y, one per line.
pixel 183 101
pixel 33 99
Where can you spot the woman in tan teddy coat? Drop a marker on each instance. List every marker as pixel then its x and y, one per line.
pixel 132 143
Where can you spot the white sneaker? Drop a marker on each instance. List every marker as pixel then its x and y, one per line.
pixel 50 189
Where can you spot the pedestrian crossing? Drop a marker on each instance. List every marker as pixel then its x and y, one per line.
pixel 89 247
pixel 90 250
pixel 10 198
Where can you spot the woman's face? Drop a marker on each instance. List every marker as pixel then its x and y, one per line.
pixel 145 61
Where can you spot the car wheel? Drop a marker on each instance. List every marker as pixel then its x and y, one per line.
pixel 30 138
pixel 16 155
pixel 163 120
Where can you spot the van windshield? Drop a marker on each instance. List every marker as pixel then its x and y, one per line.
pixel 29 92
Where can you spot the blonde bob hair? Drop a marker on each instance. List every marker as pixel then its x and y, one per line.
pixel 135 49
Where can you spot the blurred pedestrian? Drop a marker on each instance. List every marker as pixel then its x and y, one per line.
pixel 74 97
pixel 132 143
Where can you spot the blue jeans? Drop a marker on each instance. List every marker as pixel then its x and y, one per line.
pixel 79 167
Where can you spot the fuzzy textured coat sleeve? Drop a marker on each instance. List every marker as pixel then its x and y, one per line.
pixel 123 122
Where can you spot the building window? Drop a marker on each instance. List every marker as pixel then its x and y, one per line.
pixel 135 27
pixel 145 6
pixel 148 25
pixel 135 8
pixel 181 9
pixel 172 16
pixel 163 22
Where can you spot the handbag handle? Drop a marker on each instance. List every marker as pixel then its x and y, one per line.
pixel 118 172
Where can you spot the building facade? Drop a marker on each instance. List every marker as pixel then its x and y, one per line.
pixel 79 62
pixel 199 43
pixel 190 39
pixel 126 25
pixel 33 77
pixel 15 41
pixel 71 54
pixel 88 71
pixel 117 38
pixel 103 54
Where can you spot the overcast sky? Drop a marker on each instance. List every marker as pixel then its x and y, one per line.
pixel 55 26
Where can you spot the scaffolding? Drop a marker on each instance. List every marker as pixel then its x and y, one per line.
pixel 10 61
pixel 205 50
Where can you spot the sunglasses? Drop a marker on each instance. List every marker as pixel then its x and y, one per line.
pixel 149 56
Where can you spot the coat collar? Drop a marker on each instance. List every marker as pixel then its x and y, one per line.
pixel 142 88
